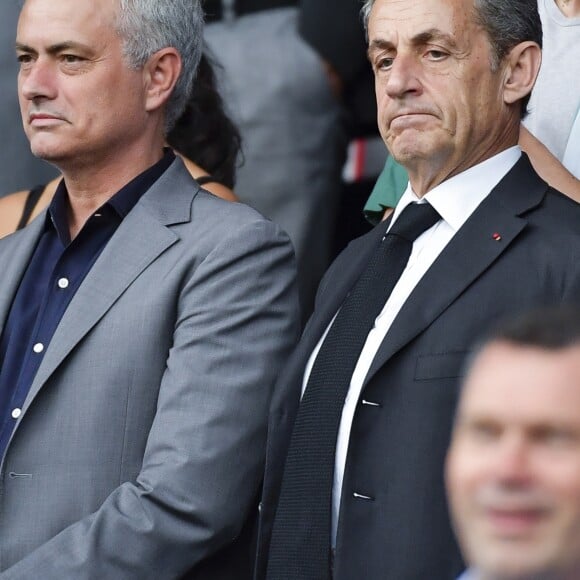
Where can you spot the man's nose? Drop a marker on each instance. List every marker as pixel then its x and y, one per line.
pixel 512 459
pixel 404 77
pixel 37 79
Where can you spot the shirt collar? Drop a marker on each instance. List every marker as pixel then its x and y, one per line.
pixel 126 198
pixel 457 197
pixel 121 203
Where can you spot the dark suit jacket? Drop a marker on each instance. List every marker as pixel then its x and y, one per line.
pixel 396 451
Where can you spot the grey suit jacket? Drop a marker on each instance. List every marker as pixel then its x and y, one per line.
pixel 139 452
pixel 398 443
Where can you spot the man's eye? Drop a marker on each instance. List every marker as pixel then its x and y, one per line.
pixel 384 63
pixel 24 58
pixel 557 437
pixel 436 54
pixel 484 431
pixel 71 58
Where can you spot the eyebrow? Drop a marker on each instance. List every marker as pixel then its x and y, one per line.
pixel 420 39
pixel 54 48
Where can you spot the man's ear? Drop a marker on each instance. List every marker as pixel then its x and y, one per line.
pixel 522 67
pixel 161 73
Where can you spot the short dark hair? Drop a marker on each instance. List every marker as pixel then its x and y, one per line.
pixel 506 22
pixel 550 328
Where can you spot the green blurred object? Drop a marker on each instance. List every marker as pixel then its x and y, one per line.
pixel 387 192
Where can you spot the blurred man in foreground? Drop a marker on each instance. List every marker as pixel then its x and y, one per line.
pixel 513 468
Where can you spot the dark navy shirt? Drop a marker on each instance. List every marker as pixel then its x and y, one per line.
pixel 56 270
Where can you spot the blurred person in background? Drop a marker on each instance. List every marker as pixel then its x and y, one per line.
pixel 296 81
pixel 551 131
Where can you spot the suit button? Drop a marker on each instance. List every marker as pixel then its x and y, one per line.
pixel 362 496
pixel 370 403
pixel 16 413
pixel 38 347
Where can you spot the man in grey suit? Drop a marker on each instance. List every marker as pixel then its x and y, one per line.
pixel 142 320
pixel 476 235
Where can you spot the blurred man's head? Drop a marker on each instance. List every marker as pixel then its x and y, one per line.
pixel 99 79
pixel 452 78
pixel 513 468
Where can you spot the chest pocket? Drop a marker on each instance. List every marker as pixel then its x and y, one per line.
pixel 449 365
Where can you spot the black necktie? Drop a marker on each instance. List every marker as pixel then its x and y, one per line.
pixel 300 544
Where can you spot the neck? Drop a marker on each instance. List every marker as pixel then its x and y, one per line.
pixel 426 174
pixel 569 8
pixel 89 187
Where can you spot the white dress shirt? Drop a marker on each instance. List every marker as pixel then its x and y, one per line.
pixel 455 200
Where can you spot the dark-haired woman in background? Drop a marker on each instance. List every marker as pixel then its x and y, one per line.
pixel 204 137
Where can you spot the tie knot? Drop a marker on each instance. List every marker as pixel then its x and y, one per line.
pixel 414 220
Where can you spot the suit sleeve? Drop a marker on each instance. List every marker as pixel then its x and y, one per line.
pixel 236 321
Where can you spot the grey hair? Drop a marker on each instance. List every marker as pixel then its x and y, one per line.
pixel 146 26
pixel 365 13
pixel 506 22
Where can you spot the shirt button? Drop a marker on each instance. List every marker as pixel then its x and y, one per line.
pixel 16 413
pixel 38 347
pixel 63 283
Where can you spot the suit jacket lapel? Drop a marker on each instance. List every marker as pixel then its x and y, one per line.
pixel 472 250
pixel 332 291
pixel 348 268
pixel 15 254
pixel 139 240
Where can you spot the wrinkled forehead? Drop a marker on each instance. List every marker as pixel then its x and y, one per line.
pixel 100 12
pixel 403 20
pixel 47 22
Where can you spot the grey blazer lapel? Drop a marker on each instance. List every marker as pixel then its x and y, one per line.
pixel 15 253
pixel 470 252
pixel 140 239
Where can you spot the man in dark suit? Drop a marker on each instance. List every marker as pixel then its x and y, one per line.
pixel 360 493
